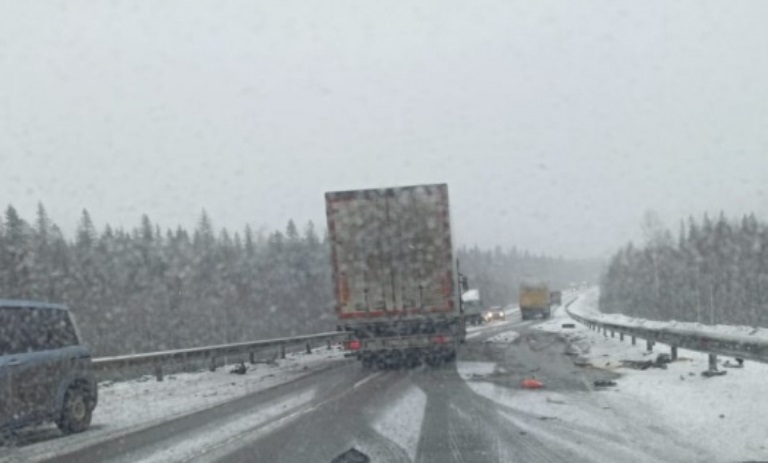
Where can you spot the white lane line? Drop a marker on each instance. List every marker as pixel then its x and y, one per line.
pixel 367 378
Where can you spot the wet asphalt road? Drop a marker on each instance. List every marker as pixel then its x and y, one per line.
pixel 423 415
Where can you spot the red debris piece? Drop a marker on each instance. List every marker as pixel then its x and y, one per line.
pixel 532 383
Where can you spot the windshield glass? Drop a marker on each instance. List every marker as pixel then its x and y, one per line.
pixel 372 231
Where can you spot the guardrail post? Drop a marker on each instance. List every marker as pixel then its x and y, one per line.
pixel 159 371
pixel 613 334
pixel 673 355
pixel 712 362
pixel 252 357
pixel 212 366
pixel 605 332
pixel 634 340
pixel 329 344
pixel 309 348
pixel 649 345
pixel 621 336
pixel 282 351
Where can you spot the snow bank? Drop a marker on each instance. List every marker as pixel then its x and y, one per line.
pixel 587 306
pixel 187 392
pixel 207 438
pixel 724 416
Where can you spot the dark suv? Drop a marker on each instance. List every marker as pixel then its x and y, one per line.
pixel 45 373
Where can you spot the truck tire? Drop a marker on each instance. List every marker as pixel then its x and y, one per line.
pixel 76 412
pixel 433 360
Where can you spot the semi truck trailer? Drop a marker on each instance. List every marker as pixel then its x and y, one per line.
pixel 394 275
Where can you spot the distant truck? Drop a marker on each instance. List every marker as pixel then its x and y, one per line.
pixel 556 298
pixel 473 307
pixel 534 300
pixel 394 275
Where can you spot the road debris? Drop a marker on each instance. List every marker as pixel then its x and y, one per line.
pixel 582 362
pixel 532 383
pixel 572 351
pixel 604 383
pixel 739 364
pixel 662 360
pixel 239 369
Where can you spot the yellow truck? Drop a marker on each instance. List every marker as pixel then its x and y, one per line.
pixel 534 300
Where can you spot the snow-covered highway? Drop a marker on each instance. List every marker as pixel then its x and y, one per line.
pixel 475 411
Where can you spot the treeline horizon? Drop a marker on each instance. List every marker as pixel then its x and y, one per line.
pixel 149 288
pixel 713 272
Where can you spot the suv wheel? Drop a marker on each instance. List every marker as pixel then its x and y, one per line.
pixel 76 413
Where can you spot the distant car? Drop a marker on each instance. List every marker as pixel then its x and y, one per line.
pixel 495 313
pixel 46 375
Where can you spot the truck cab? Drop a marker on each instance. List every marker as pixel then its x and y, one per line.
pixel 473 307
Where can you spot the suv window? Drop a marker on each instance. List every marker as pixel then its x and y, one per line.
pixel 25 330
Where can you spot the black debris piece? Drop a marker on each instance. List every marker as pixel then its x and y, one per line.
pixel 662 360
pixel 582 362
pixel 728 364
pixel 637 364
pixel 240 369
pixel 604 383
pixel 711 373
pixel 352 456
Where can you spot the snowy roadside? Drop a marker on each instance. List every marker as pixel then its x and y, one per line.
pixel 129 406
pixel 592 311
pixel 723 416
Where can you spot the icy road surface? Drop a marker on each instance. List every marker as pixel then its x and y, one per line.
pixel 472 411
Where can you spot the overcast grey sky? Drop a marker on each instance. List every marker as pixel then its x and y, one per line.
pixel 556 124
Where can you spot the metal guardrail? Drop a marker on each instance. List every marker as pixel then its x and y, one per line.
pixel 156 360
pixel 739 347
